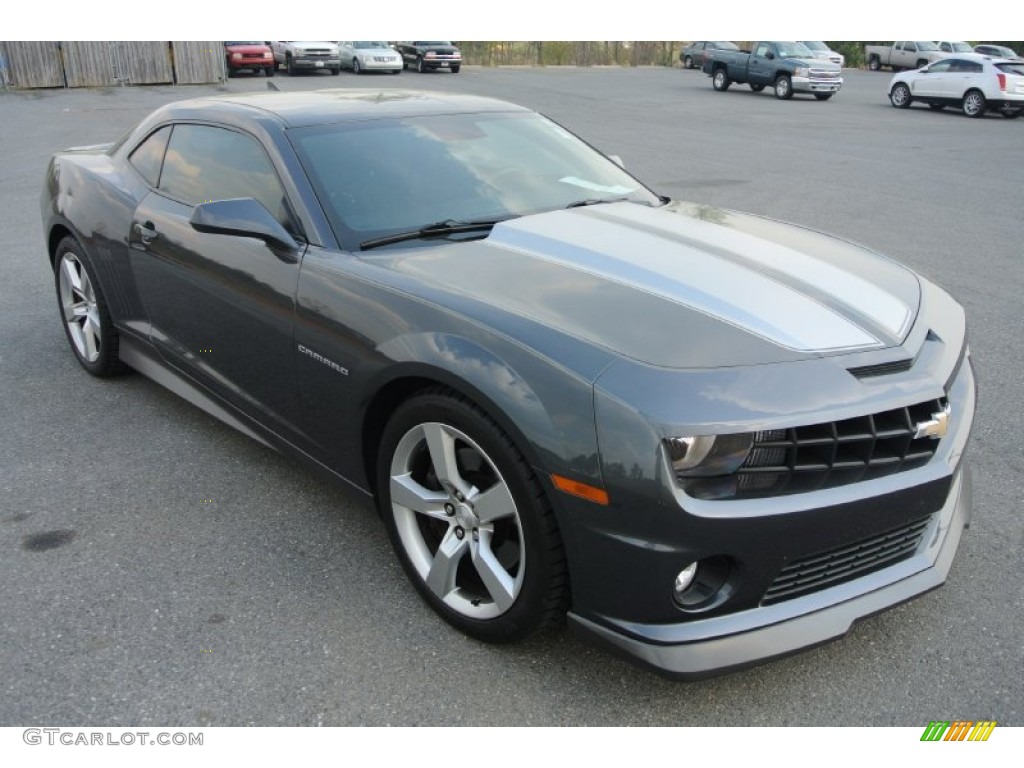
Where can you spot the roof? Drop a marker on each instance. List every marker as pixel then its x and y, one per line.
pixel 304 108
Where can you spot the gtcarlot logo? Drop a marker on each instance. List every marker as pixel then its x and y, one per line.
pixel 79 738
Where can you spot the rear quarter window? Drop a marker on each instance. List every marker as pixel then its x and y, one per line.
pixel 148 157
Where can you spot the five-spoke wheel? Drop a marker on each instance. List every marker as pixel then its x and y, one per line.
pixel 86 318
pixel 468 519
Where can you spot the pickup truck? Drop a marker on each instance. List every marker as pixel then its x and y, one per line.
pixel 904 54
pixel 428 55
pixel 788 67
pixel 295 56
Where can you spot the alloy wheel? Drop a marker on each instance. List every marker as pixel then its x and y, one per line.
pixel 457 521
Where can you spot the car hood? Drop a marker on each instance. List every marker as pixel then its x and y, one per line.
pixel 818 62
pixel 247 48
pixel 315 46
pixel 680 286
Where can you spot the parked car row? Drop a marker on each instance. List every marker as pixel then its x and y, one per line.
pixel 334 55
pixel 914 54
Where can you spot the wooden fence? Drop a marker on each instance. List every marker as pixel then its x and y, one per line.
pixel 74 64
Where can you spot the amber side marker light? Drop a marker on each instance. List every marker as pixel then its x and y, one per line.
pixel 584 491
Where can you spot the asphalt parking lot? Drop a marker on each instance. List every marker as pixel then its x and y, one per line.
pixel 159 568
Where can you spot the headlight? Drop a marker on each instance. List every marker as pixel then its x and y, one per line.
pixel 429 55
pixel 801 72
pixel 708 455
pixel 236 55
pixel 268 55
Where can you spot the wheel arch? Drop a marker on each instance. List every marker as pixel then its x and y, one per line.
pixel 58 231
pixel 488 382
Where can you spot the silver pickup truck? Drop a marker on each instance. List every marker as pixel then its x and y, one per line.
pixel 903 54
pixel 294 56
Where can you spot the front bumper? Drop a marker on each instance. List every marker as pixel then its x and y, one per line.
pixel 811 85
pixel 371 64
pixel 700 649
pixel 301 63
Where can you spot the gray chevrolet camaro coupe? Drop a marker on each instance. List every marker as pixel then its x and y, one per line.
pixel 710 438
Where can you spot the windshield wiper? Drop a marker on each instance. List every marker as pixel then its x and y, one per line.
pixel 597 201
pixel 438 229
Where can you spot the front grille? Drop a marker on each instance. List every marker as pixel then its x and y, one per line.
pixel 827 569
pixel 837 453
pixel 824 74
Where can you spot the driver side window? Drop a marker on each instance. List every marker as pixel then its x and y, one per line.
pixel 205 163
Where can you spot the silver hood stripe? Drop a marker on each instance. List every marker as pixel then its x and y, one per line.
pixel 655 258
pixel 863 296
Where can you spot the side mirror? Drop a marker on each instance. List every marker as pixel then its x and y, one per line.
pixel 245 217
pixel 617 160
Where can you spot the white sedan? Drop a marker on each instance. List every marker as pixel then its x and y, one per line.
pixel 369 56
pixel 969 81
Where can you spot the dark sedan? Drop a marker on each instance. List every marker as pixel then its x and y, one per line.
pixel 709 438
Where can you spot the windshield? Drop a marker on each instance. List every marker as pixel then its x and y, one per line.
pixel 926 46
pixel 370 44
pixel 724 46
pixel 1011 67
pixel 428 43
pixel 816 45
pixel 793 51
pixel 380 177
pixel 244 42
pixel 962 48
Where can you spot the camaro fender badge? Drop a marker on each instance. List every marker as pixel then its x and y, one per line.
pixel 936 426
pixel 333 365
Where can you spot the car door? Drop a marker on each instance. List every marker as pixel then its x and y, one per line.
pixel 953 77
pixel 220 307
pixel 905 56
pixel 760 66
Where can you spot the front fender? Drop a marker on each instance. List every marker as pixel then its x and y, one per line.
pixel 546 410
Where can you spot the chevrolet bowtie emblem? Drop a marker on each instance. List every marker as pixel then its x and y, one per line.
pixel 936 426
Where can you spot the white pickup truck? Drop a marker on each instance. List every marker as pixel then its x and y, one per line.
pixel 903 54
pixel 294 56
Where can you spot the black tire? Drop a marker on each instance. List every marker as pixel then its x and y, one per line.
pixel 227 69
pixel 921 63
pixel 974 103
pixel 823 96
pixel 456 68
pixel 335 70
pixel 937 107
pixel 900 96
pixel 288 66
pixel 84 313
pixel 720 80
pixel 519 553
pixel 757 87
pixel 874 63
pixel 1011 114
pixel 783 87
pixel 688 62
pixel 356 67
pixel 419 65
pixel 268 71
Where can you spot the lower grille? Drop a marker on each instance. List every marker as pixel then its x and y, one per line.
pixel 846 563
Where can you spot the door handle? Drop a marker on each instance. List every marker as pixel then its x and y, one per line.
pixel 147 232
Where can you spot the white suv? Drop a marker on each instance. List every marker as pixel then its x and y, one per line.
pixel 970 81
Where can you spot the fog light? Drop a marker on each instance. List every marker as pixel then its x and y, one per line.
pixel 685 579
pixel 704 584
